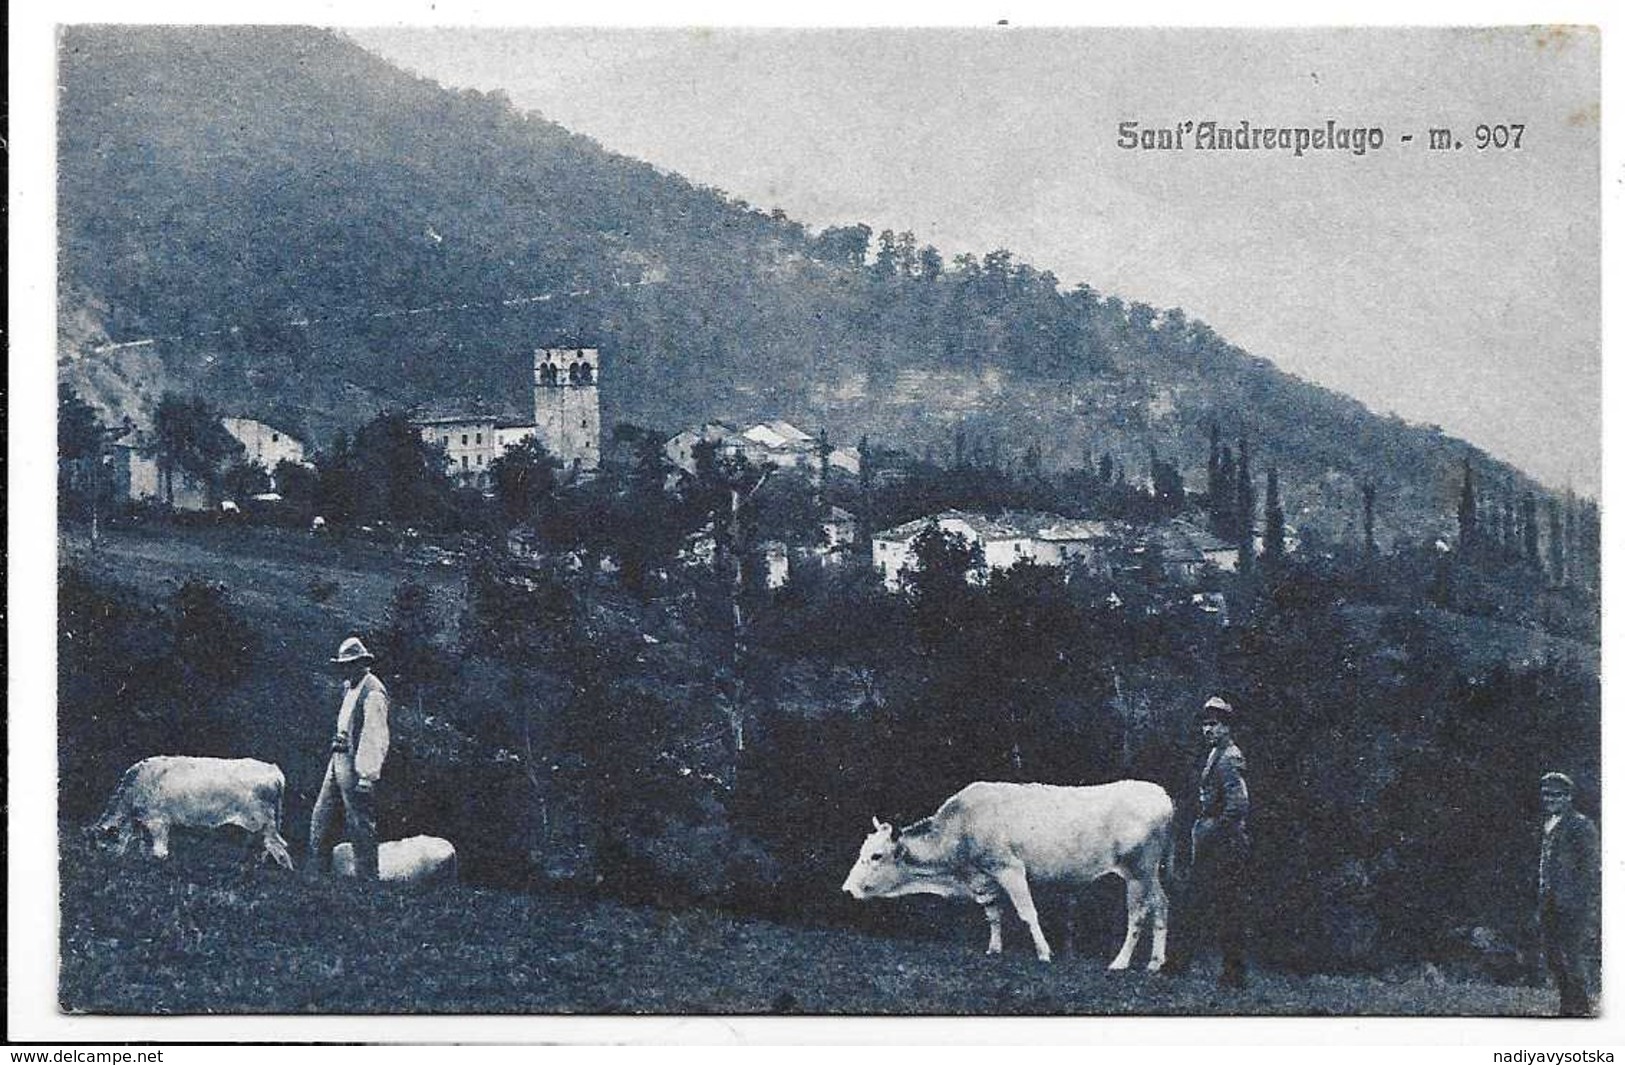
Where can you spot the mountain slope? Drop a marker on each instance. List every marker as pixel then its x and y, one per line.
pixel 311 234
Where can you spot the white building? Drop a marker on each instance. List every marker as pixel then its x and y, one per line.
pixel 774 443
pixel 137 476
pixel 512 433
pixel 1185 550
pixel 1042 539
pixel 680 448
pixel 263 444
pixel 1003 545
pixel 469 440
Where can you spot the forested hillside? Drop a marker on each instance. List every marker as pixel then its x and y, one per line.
pixel 312 235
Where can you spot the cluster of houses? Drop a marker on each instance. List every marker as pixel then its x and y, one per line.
pixel 136 473
pixel 566 419
pixel 775 443
pixel 1182 551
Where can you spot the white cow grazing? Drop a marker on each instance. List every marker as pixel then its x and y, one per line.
pixel 160 793
pixel 989 837
pixel 418 860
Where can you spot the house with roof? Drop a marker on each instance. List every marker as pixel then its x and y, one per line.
pixel 1011 538
pixel 679 449
pixel 472 433
pixel 1184 551
pixel 846 458
pixel 774 443
pixel 264 444
pixel 135 474
pixel 1003 544
pixel 1060 541
pixel 838 529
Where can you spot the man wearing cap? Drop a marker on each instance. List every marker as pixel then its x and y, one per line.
pixel 1220 846
pixel 359 746
pixel 1568 894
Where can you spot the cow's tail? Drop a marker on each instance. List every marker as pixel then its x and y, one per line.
pixel 275 844
pixel 1170 855
pixel 1170 848
pixel 281 791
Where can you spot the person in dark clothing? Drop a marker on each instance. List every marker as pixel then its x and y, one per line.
pixel 1570 868
pixel 1221 849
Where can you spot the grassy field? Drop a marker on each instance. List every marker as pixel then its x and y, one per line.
pixel 199 935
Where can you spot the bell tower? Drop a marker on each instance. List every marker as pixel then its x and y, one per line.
pixel 566 383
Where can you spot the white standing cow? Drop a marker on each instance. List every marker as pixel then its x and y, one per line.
pixel 157 794
pixel 992 836
pixel 418 860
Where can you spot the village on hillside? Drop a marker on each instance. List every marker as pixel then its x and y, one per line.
pixel 147 465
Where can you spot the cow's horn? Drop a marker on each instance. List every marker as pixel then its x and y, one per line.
pixel 878 825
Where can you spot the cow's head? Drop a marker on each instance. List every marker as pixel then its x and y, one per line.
pixel 881 869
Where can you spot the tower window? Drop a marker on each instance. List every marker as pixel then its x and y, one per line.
pixel 477 438
pixel 465 439
pixel 465 462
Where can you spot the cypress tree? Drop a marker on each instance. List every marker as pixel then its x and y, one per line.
pixel 1224 496
pixel 1275 520
pixel 1467 510
pixel 1246 504
pixel 1531 532
pixel 1369 492
pixel 1554 540
pixel 1213 472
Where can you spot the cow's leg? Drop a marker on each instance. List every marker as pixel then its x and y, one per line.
pixel 995 928
pixel 277 847
pixel 1135 893
pixel 159 830
pixel 1013 879
pixel 126 837
pixel 1069 931
pixel 1157 899
pixel 986 894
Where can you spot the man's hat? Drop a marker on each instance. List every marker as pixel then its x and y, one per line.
pixel 1557 782
pixel 1216 709
pixel 352 650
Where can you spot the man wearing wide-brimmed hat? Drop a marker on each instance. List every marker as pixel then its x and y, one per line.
pixel 359 746
pixel 1570 867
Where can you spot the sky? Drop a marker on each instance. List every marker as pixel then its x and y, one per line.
pixel 1456 288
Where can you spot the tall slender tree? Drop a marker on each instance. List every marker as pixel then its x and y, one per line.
pixel 1274 519
pixel 1223 495
pixel 1467 510
pixel 1368 492
pixel 1531 531
pixel 1554 540
pixel 1246 506
pixel 1213 472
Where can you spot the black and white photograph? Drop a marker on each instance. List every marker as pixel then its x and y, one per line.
pixel 990 520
